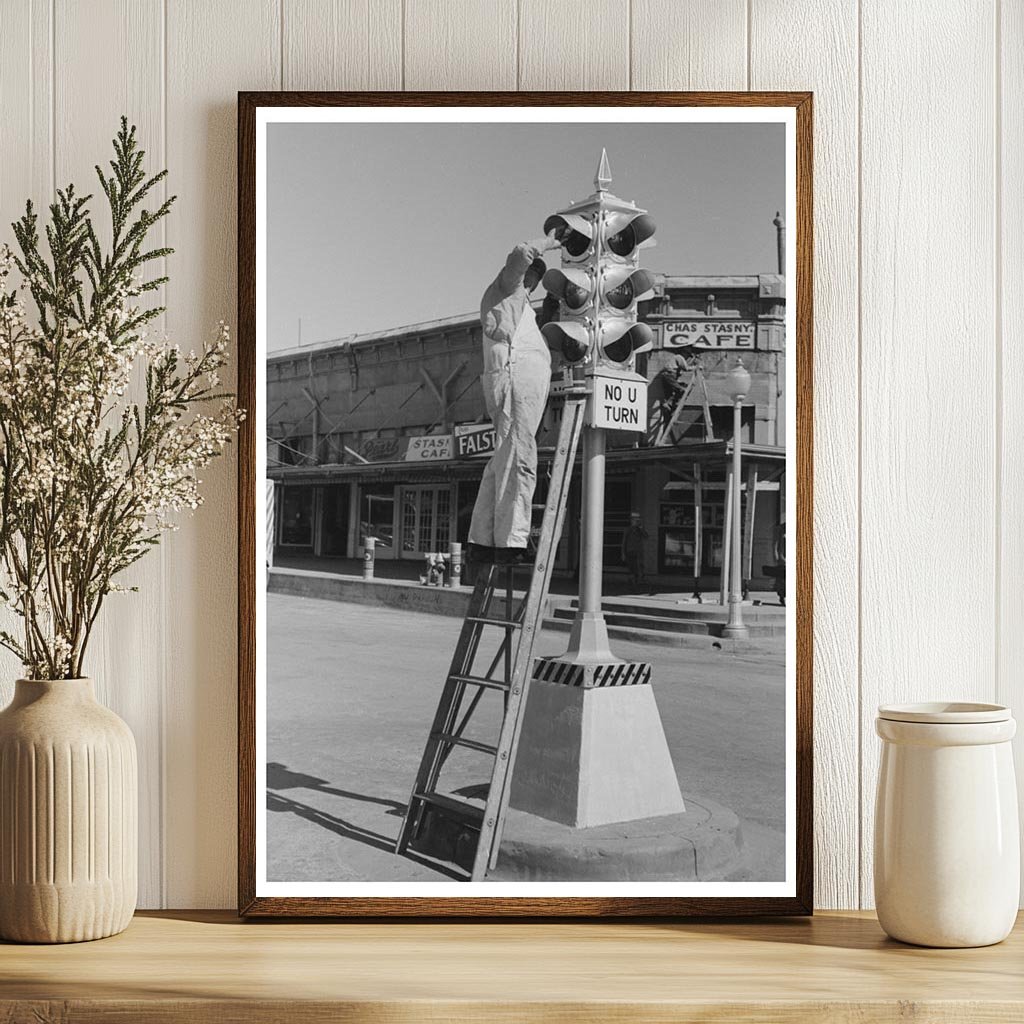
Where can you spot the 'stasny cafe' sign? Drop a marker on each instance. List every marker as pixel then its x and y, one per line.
pixel 429 448
pixel 708 334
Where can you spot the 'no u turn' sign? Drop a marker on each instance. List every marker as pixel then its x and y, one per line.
pixel 618 403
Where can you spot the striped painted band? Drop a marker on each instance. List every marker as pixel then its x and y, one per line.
pixel 625 673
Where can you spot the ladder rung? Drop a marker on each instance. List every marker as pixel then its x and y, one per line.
pixel 461 741
pixel 449 803
pixel 494 684
pixel 507 623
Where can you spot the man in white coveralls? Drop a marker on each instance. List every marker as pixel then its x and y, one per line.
pixel 515 381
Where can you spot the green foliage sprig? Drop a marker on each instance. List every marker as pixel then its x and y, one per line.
pixel 89 476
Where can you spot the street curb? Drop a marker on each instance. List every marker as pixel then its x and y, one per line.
pixel 411 597
pixel 704 844
pixel 690 641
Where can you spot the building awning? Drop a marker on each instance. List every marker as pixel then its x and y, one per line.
pixel 771 458
pixel 701 451
pixel 380 472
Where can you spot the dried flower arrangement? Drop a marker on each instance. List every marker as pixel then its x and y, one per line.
pixel 91 472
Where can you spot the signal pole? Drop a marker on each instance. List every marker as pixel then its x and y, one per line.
pixel 588 640
pixel 598 287
pixel 591 721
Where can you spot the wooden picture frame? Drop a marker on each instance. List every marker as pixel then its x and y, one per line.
pixel 254 903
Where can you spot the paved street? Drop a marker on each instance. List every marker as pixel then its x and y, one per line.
pixel 351 693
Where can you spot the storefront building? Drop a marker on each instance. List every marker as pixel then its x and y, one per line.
pixel 386 435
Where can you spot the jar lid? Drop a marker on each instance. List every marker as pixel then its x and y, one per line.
pixel 945 713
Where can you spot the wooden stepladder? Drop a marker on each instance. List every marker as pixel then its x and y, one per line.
pixel 696 378
pixel 510 669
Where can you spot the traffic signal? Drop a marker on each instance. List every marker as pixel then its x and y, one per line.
pixel 600 280
pixel 575 288
pixel 575 232
pixel 624 232
pixel 622 287
pixel 619 342
pixel 620 335
pixel 572 332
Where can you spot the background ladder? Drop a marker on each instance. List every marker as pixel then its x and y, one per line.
pixel 697 377
pixel 510 669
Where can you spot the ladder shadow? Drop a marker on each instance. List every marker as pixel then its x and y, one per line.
pixel 349 830
pixel 280 777
pixel 341 827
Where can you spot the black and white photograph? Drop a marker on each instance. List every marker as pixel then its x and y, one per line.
pixel 525 502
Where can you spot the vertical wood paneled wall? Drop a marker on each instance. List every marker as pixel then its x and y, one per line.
pixel 919 301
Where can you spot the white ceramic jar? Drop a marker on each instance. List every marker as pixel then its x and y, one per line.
pixel 947 847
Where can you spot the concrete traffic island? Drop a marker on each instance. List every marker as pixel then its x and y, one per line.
pixel 703 844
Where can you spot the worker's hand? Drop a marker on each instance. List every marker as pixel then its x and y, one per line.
pixel 553 239
pixel 543 245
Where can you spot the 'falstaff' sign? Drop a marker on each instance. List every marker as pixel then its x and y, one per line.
pixel 474 439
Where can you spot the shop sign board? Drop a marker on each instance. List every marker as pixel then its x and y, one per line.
pixel 380 449
pixel 473 439
pixel 708 333
pixel 618 403
pixel 429 448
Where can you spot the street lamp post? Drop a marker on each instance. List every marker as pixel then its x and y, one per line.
pixel 737 387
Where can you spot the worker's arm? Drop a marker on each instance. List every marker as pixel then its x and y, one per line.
pixel 519 259
pixel 548 311
pixel 516 265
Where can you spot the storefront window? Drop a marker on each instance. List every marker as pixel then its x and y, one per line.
pixel 297 516
pixel 377 515
pixel 681 549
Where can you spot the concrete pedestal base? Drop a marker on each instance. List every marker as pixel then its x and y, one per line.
pixel 592 749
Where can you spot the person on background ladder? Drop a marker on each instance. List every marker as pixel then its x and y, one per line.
pixel 515 380
pixel 667 388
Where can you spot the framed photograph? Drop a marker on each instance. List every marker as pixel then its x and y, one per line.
pixel 525 504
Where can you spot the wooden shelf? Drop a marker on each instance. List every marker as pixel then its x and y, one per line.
pixel 204 967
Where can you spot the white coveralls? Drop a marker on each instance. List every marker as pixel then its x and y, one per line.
pixel 516 377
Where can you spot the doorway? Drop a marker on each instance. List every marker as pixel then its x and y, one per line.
pixel 334 520
pixel 426 519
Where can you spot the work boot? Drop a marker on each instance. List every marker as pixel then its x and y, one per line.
pixel 511 556
pixel 479 554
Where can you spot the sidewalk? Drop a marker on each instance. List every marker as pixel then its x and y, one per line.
pixel 661 589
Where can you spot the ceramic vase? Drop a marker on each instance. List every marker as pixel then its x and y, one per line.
pixel 947 848
pixel 68 813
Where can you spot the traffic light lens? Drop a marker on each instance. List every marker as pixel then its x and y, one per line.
pixel 575 296
pixel 638 230
pixel 571 339
pixel 572 287
pixel 623 243
pixel 573 350
pixel 621 296
pixel 576 244
pixel 629 289
pixel 572 231
pixel 621 349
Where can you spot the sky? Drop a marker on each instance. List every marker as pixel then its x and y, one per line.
pixel 375 226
